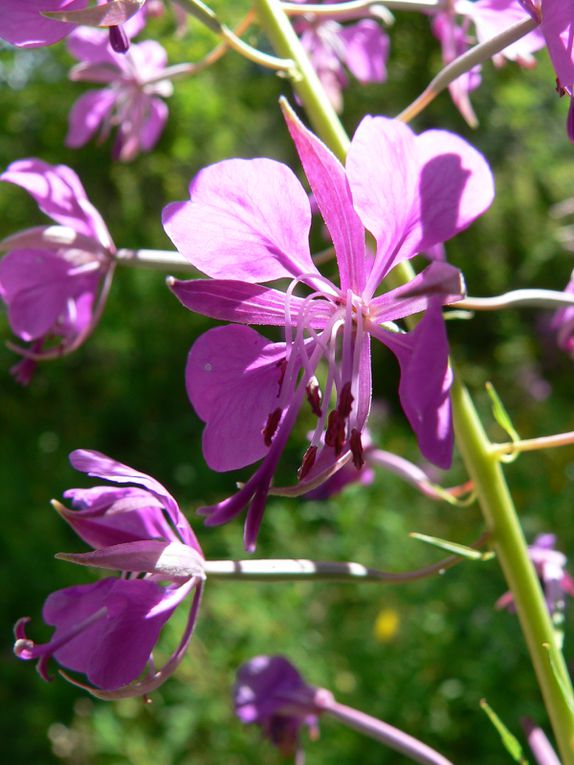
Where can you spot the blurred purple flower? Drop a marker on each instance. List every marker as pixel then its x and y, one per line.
pixel 129 102
pixel 550 566
pixel 25 25
pixel 361 47
pixel 489 18
pixel 248 222
pixel 107 630
pixel 54 279
pixel 269 692
pixel 563 323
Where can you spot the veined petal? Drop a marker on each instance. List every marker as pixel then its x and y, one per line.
pixel 230 300
pixel 87 114
pixel 424 387
pixel 383 174
pixel 247 220
pixel 455 187
pixel 438 280
pixel 326 176
pixel 60 195
pixel 232 378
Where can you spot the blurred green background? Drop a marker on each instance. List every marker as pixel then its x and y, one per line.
pixel 420 656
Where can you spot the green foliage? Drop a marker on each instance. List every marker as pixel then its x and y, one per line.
pixel 419 656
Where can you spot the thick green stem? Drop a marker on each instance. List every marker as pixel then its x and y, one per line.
pixel 483 465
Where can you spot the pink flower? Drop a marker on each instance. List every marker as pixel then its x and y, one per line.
pixel 362 48
pixel 107 630
pixel 54 279
pixel 248 222
pixel 128 102
pixel 563 323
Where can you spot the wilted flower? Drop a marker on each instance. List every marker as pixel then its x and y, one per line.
pixel 272 694
pixel 26 25
pixel 248 222
pixel 550 565
pixel 54 279
pixel 128 103
pixel 107 630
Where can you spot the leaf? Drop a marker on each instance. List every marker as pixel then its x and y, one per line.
pixel 502 418
pixel 454 547
pixel 511 743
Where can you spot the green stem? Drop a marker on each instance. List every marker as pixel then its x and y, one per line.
pixel 482 464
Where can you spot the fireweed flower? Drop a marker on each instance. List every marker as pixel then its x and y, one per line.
pixel 248 222
pixel 25 25
pixel 54 279
pixel 271 693
pixel 362 48
pixel 452 26
pixel 129 101
pixel 550 565
pixel 563 323
pixel 107 630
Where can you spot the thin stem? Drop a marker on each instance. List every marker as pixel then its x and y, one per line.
pixel 531 298
pixel 465 63
pixel 533 444
pixel 344 9
pixel 282 570
pixel 159 260
pixel 380 731
pixel 483 467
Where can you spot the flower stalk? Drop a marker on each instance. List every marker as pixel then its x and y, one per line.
pixel 483 466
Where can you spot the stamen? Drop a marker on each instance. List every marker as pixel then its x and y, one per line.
pixel 271 426
pixel 314 396
pixel 335 434
pixel 308 462
pixel 119 41
pixel 346 399
pixel 282 364
pixel 356 449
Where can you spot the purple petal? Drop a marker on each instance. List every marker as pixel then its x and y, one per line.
pixel 366 50
pixel 229 300
pixel 152 126
pixel 558 30
pixel 35 286
pixel 60 195
pixel 88 114
pixel 329 185
pixel 91 46
pixel 383 173
pixel 491 17
pixel 247 220
pixel 232 379
pixel 425 384
pixel 23 24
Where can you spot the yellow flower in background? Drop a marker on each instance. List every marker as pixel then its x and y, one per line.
pixel 386 625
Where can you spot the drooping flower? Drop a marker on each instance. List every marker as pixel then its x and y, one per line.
pixel 248 222
pixel 452 26
pixel 107 631
pixel 54 279
pixel 271 693
pixel 563 323
pixel 129 101
pixel 550 565
pixel 362 48
pixel 26 25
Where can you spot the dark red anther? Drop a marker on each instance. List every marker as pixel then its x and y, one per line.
pixel 271 426
pixel 314 396
pixel 345 401
pixel 282 364
pixel 357 449
pixel 560 89
pixel 335 434
pixel 308 462
pixel 119 41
